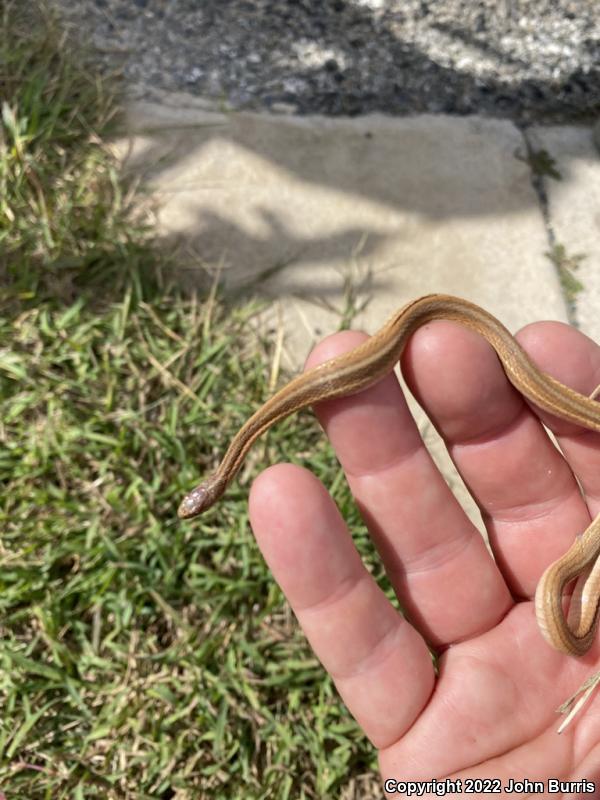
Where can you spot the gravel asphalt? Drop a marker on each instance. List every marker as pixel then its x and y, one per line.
pixel 528 60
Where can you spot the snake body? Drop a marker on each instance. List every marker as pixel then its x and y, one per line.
pixel 369 362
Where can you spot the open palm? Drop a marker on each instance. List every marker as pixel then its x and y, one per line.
pixel 490 711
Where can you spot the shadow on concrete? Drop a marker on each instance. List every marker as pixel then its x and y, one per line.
pixel 368 162
pixel 434 194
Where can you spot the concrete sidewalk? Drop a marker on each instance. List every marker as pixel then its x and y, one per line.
pixel 293 208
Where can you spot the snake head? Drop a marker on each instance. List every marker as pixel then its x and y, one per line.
pixel 194 503
pixel 200 498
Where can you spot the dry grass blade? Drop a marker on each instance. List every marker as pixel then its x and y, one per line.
pixel 140 657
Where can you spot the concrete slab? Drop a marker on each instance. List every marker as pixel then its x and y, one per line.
pixel 286 205
pixel 294 208
pixel 574 207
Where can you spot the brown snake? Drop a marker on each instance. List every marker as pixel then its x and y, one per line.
pixel 369 362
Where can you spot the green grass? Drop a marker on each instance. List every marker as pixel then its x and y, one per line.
pixel 566 266
pixel 66 216
pixel 141 657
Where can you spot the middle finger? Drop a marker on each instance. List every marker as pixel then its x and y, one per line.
pixel 434 556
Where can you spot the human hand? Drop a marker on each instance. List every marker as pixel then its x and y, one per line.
pixel 490 711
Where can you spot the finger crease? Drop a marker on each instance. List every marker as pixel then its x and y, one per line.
pixel 398 460
pixel 345 586
pixel 526 512
pixel 438 555
pixel 384 648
